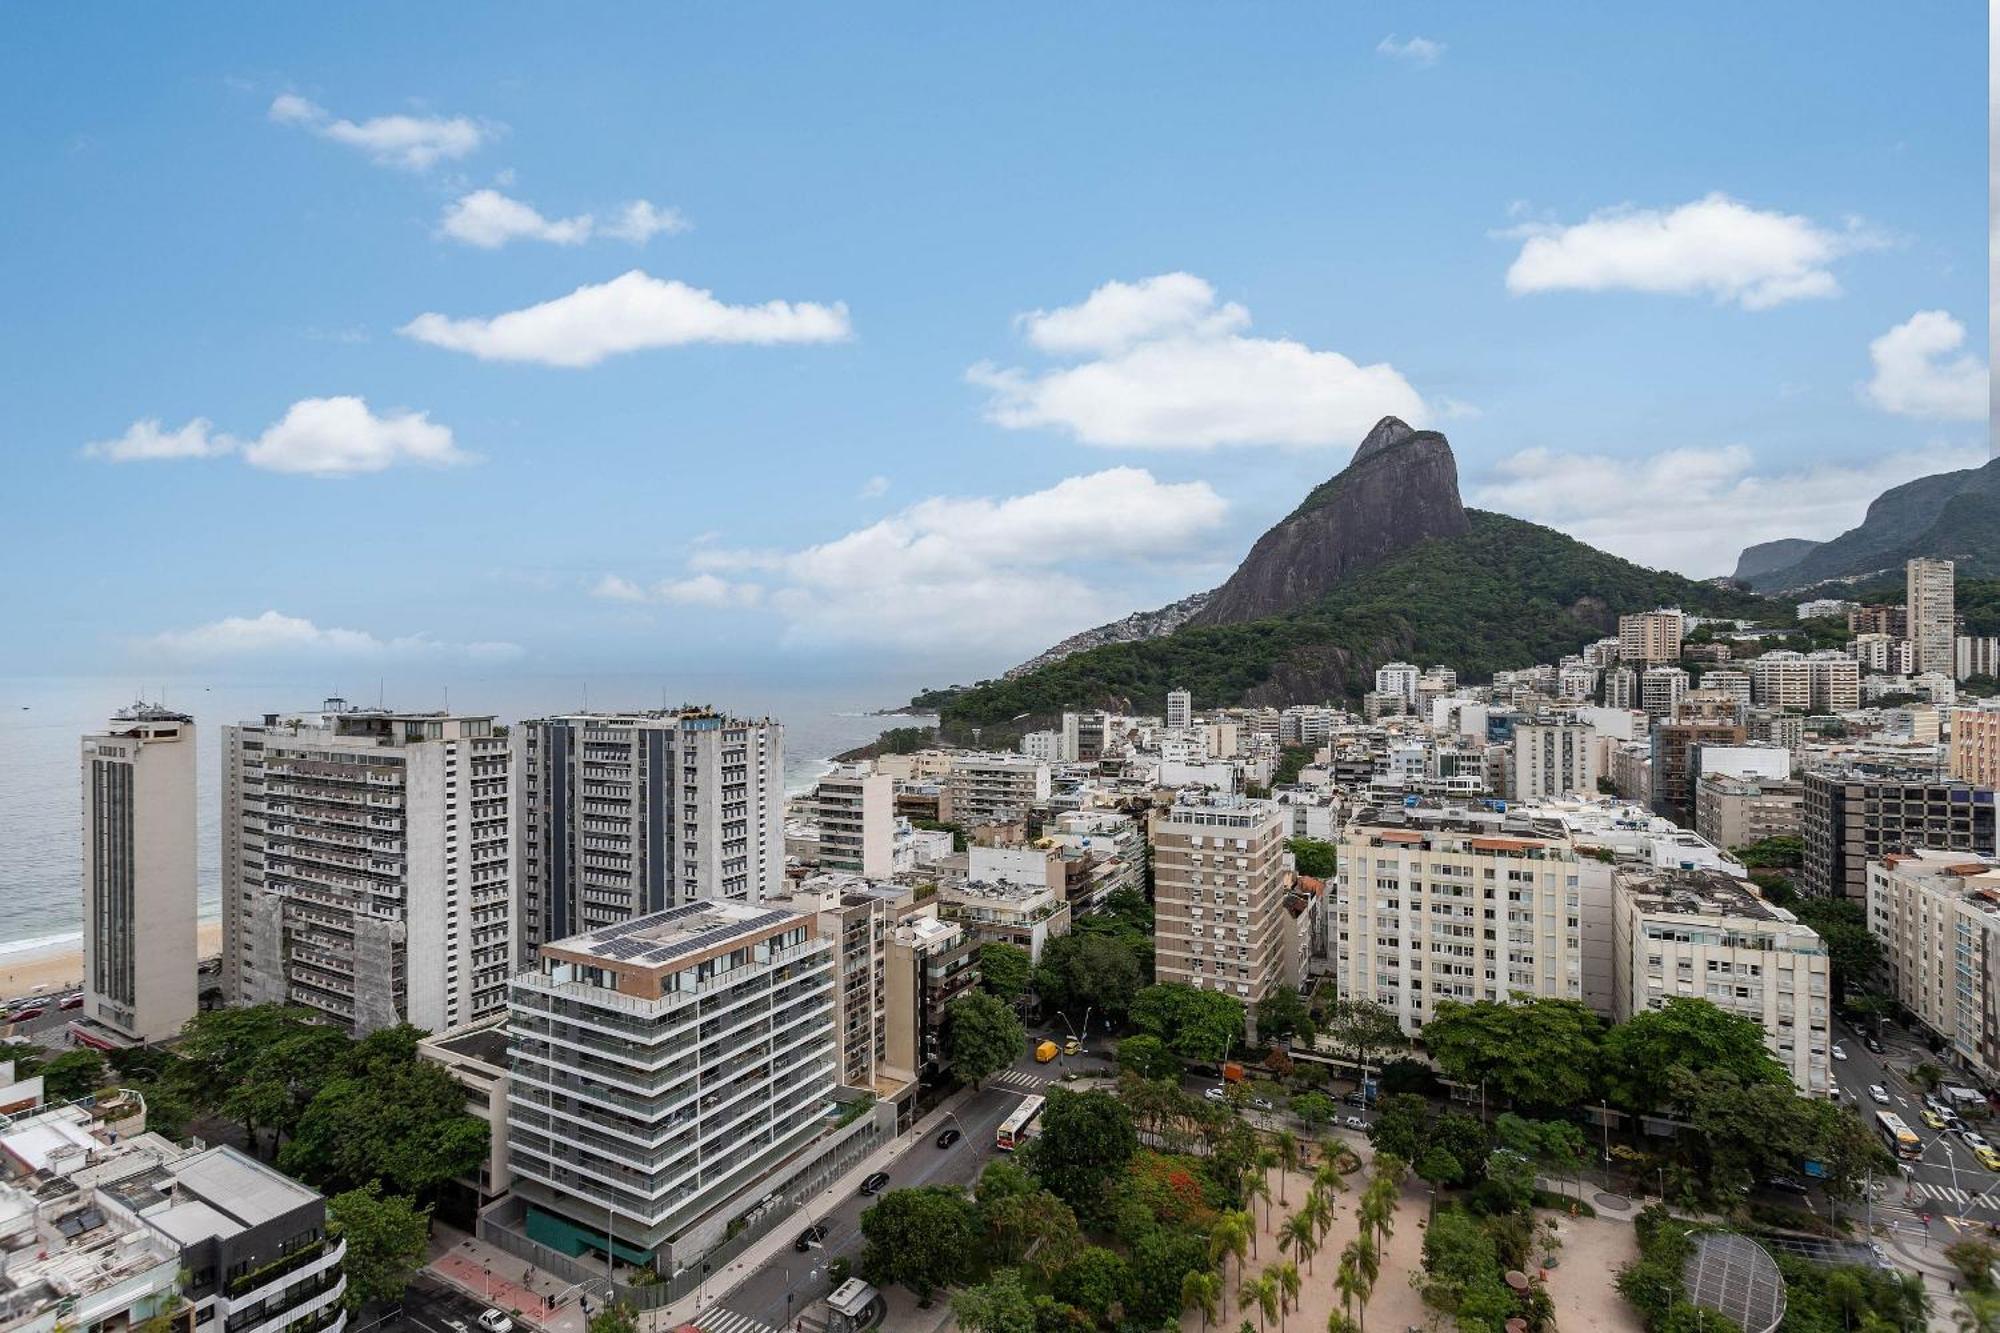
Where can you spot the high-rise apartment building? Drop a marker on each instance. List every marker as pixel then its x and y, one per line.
pixel 1219 883
pixel 1398 678
pixel 367 865
pixel 1975 743
pixel 856 811
pixel 662 1069
pixel 1661 689
pixel 622 814
pixel 139 875
pixel 1937 915
pixel 1852 818
pixel 1822 682
pixel 1733 811
pixel 1650 636
pixel 1933 621
pixel 1180 709
pixel 1621 687
pixel 1705 935
pixel 995 788
pixel 1554 756
pixel 1458 904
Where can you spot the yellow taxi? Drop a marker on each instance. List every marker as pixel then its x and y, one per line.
pixel 1988 1158
pixel 1932 1118
pixel 1070 1046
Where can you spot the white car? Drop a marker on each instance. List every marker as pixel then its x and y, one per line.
pixel 495 1322
pixel 1355 1122
pixel 1973 1141
pixel 1215 1094
pixel 1261 1103
pixel 1878 1094
pixel 1839 1052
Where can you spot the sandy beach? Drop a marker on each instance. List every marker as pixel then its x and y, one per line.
pixel 48 969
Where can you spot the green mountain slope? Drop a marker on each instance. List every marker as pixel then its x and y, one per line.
pixel 1506 594
pixel 1954 514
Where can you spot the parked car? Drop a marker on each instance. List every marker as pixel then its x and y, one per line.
pixel 1355 1122
pixel 1872 1044
pixel 1972 1140
pixel 72 1002
pixel 1839 1051
pixel 1786 1183
pixel 26 1012
pixel 1987 1157
pixel 495 1322
pixel 811 1238
pixel 1932 1118
pixel 1262 1103
pixel 948 1137
pixel 1215 1094
pixel 1878 1094
pixel 1071 1047
pixel 1355 1099
pixel 877 1182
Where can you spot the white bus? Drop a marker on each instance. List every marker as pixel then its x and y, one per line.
pixel 1902 1140
pixel 1014 1129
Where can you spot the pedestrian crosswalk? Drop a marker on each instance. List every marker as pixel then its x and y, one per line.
pixel 1923 1189
pixel 715 1319
pixel 1019 1078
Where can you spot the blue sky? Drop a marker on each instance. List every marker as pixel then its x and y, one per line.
pixel 1672 281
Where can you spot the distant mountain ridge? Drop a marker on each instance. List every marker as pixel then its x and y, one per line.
pixel 1381 562
pixel 1951 514
pixel 1135 628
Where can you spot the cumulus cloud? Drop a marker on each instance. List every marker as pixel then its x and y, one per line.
pixel 276 635
pixel 873 488
pixel 632 312
pixel 490 219
pixel 1921 371
pixel 321 437
pixel 1416 50
pixel 414 143
pixel 147 441
pixel 1714 246
pixel 1718 500
pixel 961 572
pixel 1161 363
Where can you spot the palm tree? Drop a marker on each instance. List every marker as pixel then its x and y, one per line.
pixel 1384 1195
pixel 1360 1265
pixel 1328 1178
pixel 1300 1232
pixel 1336 1322
pixel 1289 1285
pixel 1266 1159
pixel 1348 1280
pixel 1200 1290
pixel 1368 1258
pixel 1392 1168
pixel 1322 1215
pixel 1228 1237
pixel 1288 1160
pixel 1262 1293
pixel 1256 1187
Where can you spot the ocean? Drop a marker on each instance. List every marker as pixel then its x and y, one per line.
pixel 41 720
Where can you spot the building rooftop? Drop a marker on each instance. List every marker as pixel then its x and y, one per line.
pixel 486 1043
pixel 1699 893
pixel 660 938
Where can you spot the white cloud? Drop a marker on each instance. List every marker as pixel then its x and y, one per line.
pixel 695 590
pixel 414 143
pixel 147 441
pixel 612 588
pixel 276 635
pixel 1918 375
pixel 322 437
pixel 1694 509
pixel 490 219
pixel 873 488
pixel 1173 369
pixel 640 221
pixel 961 573
pixel 1714 246
pixel 1416 50
pixel 632 312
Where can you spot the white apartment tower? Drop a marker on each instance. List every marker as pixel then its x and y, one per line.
pixel 1180 709
pixel 139 874
pixel 857 821
pixel 622 814
pixel 1398 678
pixel 1219 883
pixel 1661 690
pixel 662 1069
pixel 367 865
pixel 1554 757
pixel 1928 599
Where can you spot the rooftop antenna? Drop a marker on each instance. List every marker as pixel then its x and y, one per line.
pixel 380 693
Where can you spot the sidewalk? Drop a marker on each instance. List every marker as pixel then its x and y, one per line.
pixel 779 1240
pixel 507 1284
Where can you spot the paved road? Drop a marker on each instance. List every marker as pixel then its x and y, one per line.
pixel 760 1299
pixel 429 1306
pixel 1947 1182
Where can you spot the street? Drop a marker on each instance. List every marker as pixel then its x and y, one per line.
pixel 1947 1182
pixel 429 1306
pixel 788 1284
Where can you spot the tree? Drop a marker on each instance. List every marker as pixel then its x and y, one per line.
pixel 922 1238
pixel 1086 1140
pixel 1004 970
pixel 1314 857
pixel 1034 1228
pixel 1149 1058
pixel 1641 1054
pixel 1316 1109
pixel 617 1317
pixel 1299 1233
pixel 1001 1305
pixel 1853 953
pixel 1159 1263
pixel 1201 1290
pixel 225 1067
pixel 1195 1024
pixel 385 1237
pixel 1362 1029
pixel 1230 1238
pixel 982 1036
pixel 28 1058
pixel 1440 1167
pixel 1095 1281
pixel 1283 1013
pixel 73 1074
pixel 1538 1053
pixel 386 1115
pixel 1088 970
pixel 1262 1293
pixel 1974 1260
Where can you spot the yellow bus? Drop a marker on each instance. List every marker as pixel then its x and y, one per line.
pixel 1902 1140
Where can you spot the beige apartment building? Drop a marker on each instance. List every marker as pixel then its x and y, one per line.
pixel 1733 811
pixel 1705 935
pixel 855 809
pixel 1975 743
pixel 1650 636
pixel 1929 597
pixel 991 788
pixel 1219 884
pixel 1460 904
pixel 1937 915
